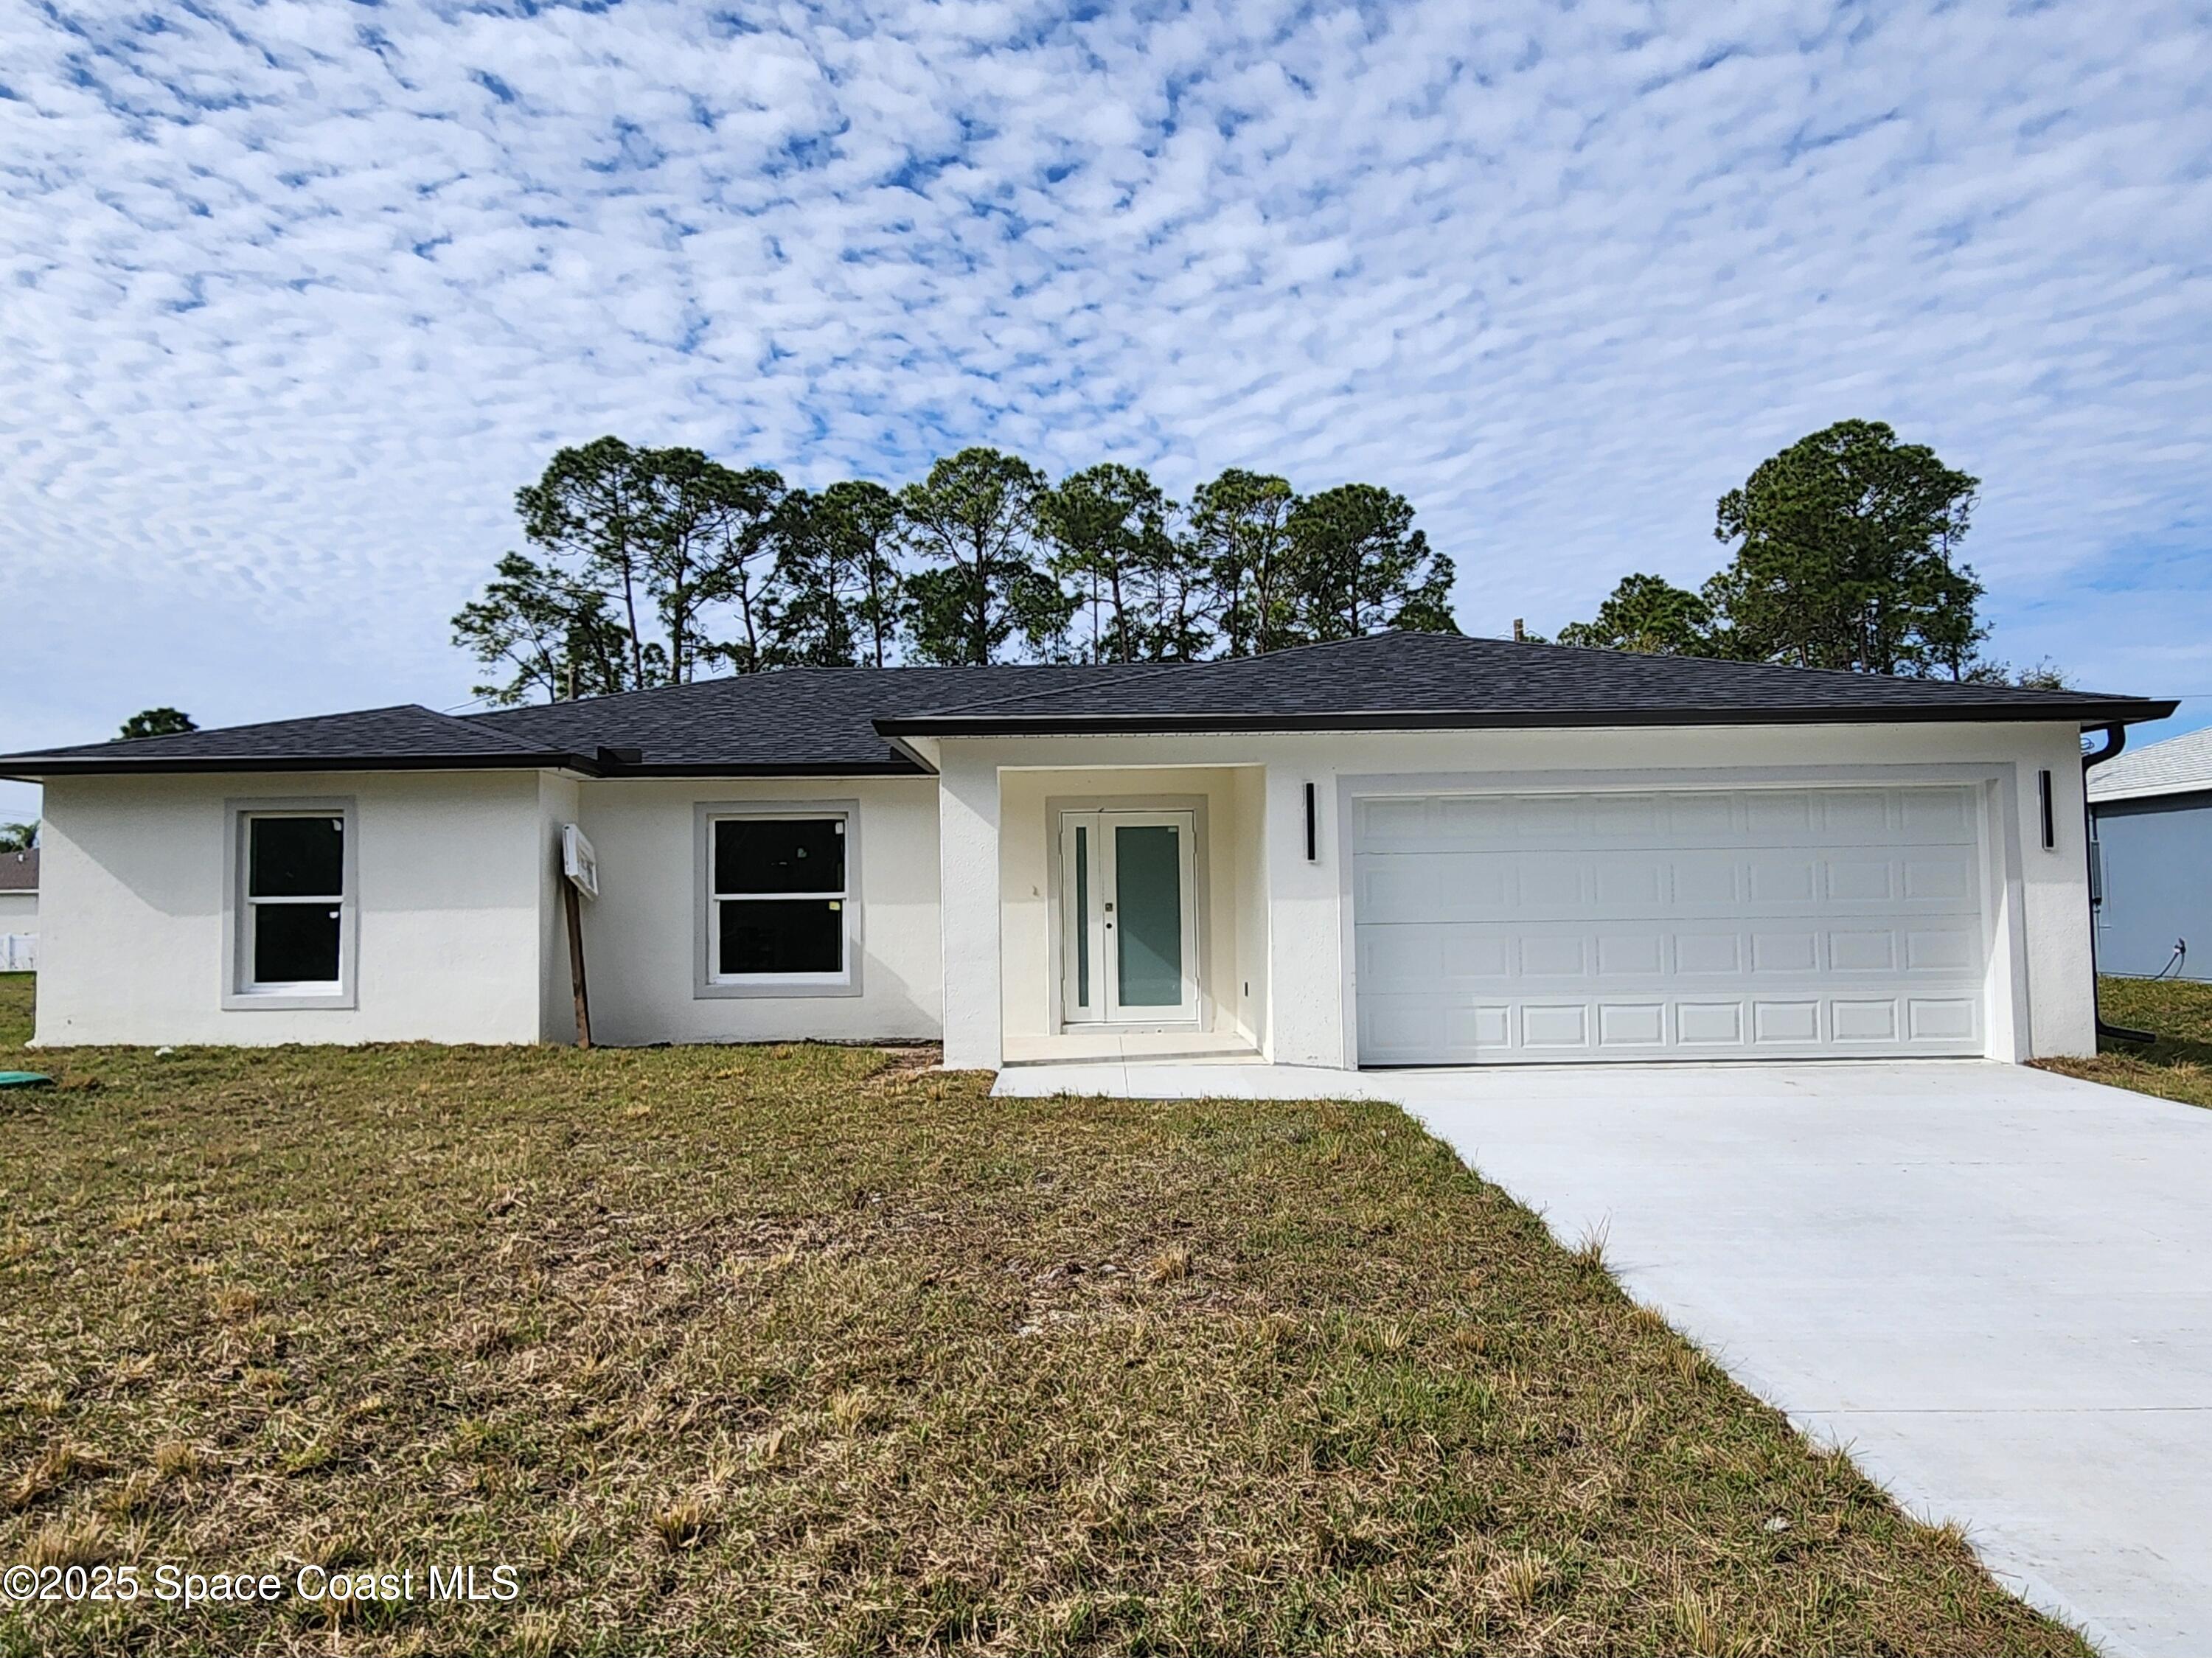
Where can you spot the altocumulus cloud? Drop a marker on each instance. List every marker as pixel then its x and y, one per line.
pixel 297 292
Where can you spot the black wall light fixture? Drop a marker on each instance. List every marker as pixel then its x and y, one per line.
pixel 2043 799
pixel 1313 844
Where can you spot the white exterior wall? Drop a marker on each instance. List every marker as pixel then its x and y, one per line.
pixel 448 872
pixel 641 935
pixel 19 911
pixel 557 806
pixel 1248 835
pixel 2041 994
pixel 968 851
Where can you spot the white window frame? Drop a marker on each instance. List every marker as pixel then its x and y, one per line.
pixel 706 980
pixel 240 991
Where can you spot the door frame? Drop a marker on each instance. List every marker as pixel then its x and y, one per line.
pixel 1196 902
pixel 2006 1012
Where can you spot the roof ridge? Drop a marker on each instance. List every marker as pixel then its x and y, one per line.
pixel 1145 673
pixel 1141 672
pixel 1856 675
pixel 858 669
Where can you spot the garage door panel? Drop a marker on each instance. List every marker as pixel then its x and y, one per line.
pixel 1863 952
pixel 1860 1020
pixel 1631 1024
pixel 1952 1018
pixel 1777 1023
pixel 1784 954
pixel 1643 953
pixel 1796 923
pixel 1405 1030
pixel 1752 817
pixel 1953 950
pixel 1631 955
pixel 1709 1024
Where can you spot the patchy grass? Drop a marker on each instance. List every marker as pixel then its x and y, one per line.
pixel 18 992
pixel 757 1351
pixel 2179 1066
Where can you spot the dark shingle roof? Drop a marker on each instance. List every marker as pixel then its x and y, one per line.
pixel 1409 681
pixel 797 720
pixel 839 721
pixel 19 871
pixel 407 735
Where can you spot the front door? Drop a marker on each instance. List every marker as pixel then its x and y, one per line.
pixel 1128 918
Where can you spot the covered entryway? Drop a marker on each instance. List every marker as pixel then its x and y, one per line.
pixel 1778 922
pixel 1132 913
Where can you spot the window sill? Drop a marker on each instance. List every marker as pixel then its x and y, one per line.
pixel 289 999
pixel 769 985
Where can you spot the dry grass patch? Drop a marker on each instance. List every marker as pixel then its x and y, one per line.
pixel 2179 1064
pixel 823 1352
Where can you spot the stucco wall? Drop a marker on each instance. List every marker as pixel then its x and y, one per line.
pixel 640 936
pixel 2040 991
pixel 19 911
pixel 1028 877
pixel 1249 816
pixel 2158 885
pixel 448 869
pixel 557 806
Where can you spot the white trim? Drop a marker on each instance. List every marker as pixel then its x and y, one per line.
pixel 238 993
pixel 706 982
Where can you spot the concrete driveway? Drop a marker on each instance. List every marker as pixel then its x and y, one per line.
pixel 1992 1285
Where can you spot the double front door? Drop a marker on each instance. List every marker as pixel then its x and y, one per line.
pixel 1128 917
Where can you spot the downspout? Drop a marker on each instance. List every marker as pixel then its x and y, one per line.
pixel 2116 739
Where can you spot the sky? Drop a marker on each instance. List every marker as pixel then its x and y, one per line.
pixel 296 295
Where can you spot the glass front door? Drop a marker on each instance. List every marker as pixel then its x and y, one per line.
pixel 1128 917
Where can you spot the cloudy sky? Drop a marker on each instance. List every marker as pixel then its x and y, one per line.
pixel 296 294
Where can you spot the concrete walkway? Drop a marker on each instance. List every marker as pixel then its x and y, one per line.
pixel 1992 1285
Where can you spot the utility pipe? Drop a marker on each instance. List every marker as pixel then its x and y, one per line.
pixel 2116 739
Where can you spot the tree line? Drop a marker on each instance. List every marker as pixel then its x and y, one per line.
pixel 654 566
pixel 650 566
pixel 1846 556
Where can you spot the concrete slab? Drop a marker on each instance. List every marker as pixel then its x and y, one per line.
pixel 1992 1285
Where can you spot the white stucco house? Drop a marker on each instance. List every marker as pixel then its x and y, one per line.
pixel 1407 849
pixel 19 910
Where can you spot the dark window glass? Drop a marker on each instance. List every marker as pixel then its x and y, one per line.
pixel 295 944
pixel 1082 915
pixel 296 857
pixel 805 935
pixel 779 854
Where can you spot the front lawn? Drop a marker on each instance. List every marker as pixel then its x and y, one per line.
pixel 805 1349
pixel 2179 1066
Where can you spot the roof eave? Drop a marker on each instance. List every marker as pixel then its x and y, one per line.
pixel 889 766
pixel 591 766
pixel 31 769
pixel 2126 792
pixel 2130 711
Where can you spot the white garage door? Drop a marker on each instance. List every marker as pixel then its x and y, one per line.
pixel 1743 923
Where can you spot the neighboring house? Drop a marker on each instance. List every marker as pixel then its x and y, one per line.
pixel 1405 849
pixel 19 910
pixel 2153 811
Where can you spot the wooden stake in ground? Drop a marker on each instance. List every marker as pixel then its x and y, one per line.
pixel 574 903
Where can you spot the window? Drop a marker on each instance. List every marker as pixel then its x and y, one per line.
pixel 293 911
pixel 779 910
